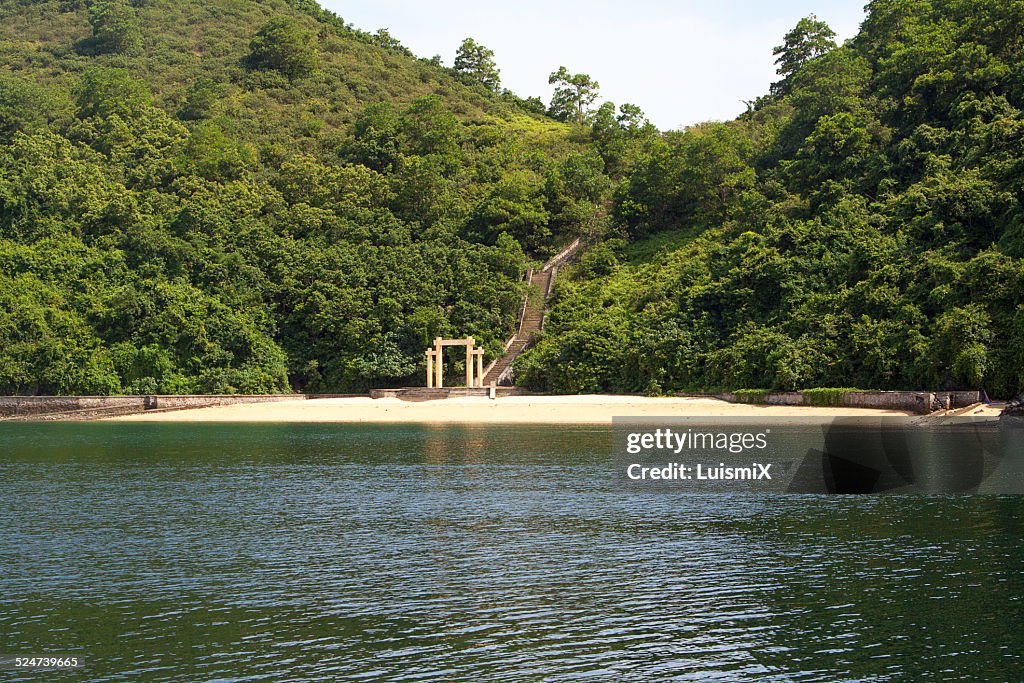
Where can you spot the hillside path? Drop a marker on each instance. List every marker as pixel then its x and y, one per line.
pixel 531 319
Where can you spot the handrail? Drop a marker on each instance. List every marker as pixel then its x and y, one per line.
pixel 508 371
pixel 512 339
pixel 561 256
pixel 526 302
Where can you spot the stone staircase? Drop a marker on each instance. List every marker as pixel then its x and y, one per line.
pixel 532 319
pixel 533 314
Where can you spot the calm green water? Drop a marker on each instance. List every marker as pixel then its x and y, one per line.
pixel 346 553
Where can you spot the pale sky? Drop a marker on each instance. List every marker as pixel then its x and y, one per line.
pixel 680 61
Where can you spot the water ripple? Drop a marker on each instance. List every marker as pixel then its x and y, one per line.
pixel 313 553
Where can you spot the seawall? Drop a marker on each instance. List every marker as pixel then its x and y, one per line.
pixel 92 407
pixel 922 402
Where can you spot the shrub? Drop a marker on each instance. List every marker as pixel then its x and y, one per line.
pixel 826 398
pixel 115 27
pixel 281 45
pixel 752 395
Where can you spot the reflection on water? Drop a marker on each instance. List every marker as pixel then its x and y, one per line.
pixel 324 553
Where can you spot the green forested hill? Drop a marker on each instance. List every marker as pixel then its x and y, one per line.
pixel 253 196
pixel 860 226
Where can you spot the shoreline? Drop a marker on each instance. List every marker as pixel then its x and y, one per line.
pixel 583 410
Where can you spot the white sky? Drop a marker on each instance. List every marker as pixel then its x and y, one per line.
pixel 681 61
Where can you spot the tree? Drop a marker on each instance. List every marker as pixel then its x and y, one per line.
pixel 427 127
pixel 619 137
pixel 960 344
pixel 476 63
pixel 282 45
pixel 515 206
pixel 382 38
pixel 810 38
pixel 573 96
pixel 631 117
pixel 104 92
pixel 530 105
pixel 202 100
pixel 115 27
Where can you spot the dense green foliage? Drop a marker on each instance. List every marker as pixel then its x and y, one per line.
pixel 254 196
pixel 860 226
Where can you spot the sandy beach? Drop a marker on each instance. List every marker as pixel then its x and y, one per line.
pixel 512 409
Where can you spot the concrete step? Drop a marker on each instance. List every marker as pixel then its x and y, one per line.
pixel 418 394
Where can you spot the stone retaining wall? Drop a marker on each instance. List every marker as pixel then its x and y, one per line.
pixel 94 407
pixel 959 399
pixel 30 406
pixel 922 402
pixel 79 407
